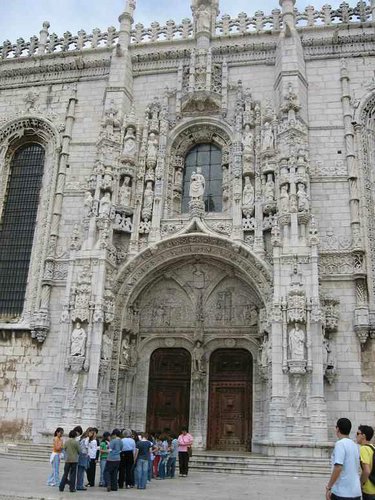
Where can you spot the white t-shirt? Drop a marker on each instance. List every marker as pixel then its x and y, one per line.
pixel 93 448
pixel 346 453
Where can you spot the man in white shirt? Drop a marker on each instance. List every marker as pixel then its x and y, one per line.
pixel 344 483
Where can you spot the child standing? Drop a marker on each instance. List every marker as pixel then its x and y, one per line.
pixel 55 458
pixel 72 450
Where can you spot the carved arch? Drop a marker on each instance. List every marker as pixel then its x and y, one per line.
pixel 182 139
pixel 364 127
pixel 14 134
pixel 135 275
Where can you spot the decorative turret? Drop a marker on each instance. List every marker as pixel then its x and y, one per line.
pixel 205 13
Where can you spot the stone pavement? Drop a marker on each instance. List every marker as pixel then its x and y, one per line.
pixel 21 479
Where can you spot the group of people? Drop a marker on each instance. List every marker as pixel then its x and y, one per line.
pixel 346 482
pixel 127 458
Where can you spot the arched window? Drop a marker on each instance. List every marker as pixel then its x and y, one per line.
pixel 17 226
pixel 208 158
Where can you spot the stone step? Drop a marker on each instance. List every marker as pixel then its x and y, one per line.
pixel 206 461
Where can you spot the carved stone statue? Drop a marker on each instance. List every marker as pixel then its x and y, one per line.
pixel 105 204
pixel 267 137
pixel 88 203
pixel 203 18
pixel 106 347
pixel 297 343
pixel 125 193
pixel 178 177
pixel 248 198
pixel 248 141
pixel 78 341
pixel 269 190
pixel 152 148
pixel 197 185
pixel 198 355
pixel 303 200
pixel 284 199
pixel 148 201
pixel 125 352
pixel 129 149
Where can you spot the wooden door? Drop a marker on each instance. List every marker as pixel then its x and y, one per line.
pixel 169 390
pixel 230 400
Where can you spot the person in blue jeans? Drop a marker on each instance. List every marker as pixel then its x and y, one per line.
pixel 113 461
pixel 142 457
pixel 172 459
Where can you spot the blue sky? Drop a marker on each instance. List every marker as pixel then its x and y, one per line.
pixel 24 18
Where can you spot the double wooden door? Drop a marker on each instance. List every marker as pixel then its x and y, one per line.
pixel 230 400
pixel 169 390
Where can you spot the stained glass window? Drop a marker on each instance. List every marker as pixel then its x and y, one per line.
pixel 17 226
pixel 208 158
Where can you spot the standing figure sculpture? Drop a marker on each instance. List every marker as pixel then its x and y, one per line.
pixel 125 192
pixel 297 343
pixel 284 200
pixel 129 149
pixel 303 200
pixel 78 341
pixel 198 354
pixel 197 185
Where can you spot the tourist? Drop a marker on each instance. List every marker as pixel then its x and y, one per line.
pixel 172 459
pixel 143 448
pixel 103 451
pixel 156 452
pixel 83 459
pixel 72 451
pixel 185 441
pixel 57 446
pixel 92 456
pixel 113 461
pixel 164 455
pixel 127 460
pixel 364 435
pixel 344 481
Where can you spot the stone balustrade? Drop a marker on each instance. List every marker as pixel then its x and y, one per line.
pixel 225 26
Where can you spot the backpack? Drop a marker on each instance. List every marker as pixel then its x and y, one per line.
pixel 372 473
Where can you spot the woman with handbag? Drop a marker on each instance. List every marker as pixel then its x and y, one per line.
pixel 185 442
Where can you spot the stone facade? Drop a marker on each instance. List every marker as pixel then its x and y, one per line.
pixel 286 271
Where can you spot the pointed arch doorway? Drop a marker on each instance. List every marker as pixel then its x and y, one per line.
pixel 168 390
pixel 230 400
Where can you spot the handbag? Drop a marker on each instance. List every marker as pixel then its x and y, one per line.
pixel 190 451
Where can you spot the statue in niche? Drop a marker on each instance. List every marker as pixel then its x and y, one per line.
pixel 152 147
pixel 107 179
pixel 148 201
pixel 133 354
pixel 264 352
pixel 328 362
pixel 284 199
pixel 129 143
pixel 125 193
pixel 248 194
pixel 88 203
pixel 78 341
pixel 267 137
pixel 203 18
pixel 105 204
pixel 269 190
pixel 198 357
pixel 297 343
pixel 303 200
pixel 106 347
pixel 197 185
pixel 178 177
pixel 125 355
pixel 248 141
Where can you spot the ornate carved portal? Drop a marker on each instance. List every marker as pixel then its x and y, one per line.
pixel 169 390
pixel 230 400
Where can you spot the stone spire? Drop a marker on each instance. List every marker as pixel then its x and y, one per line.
pixel 126 21
pixel 205 13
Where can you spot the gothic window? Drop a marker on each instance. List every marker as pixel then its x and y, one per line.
pixel 208 158
pixel 17 226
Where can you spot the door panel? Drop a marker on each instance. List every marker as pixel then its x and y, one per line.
pixel 230 400
pixel 169 390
